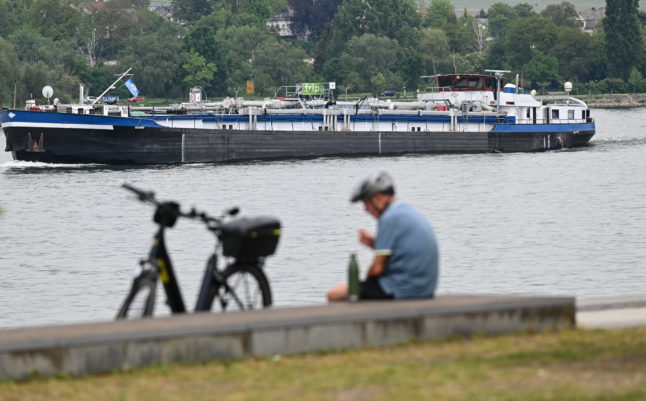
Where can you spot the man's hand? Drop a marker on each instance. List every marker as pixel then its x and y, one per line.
pixel 366 238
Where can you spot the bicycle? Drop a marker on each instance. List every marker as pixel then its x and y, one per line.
pixel 241 285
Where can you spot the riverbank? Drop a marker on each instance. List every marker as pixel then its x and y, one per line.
pixel 570 364
pixel 618 100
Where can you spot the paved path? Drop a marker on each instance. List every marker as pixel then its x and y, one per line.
pixel 611 312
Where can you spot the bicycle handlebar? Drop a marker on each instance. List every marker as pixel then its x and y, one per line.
pixel 212 223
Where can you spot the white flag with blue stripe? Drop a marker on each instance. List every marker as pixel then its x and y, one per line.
pixel 132 87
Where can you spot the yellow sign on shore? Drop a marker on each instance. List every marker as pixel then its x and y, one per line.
pixel 249 87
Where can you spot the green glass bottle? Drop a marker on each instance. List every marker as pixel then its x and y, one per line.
pixel 353 278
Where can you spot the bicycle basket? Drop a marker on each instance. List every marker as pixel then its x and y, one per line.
pixel 250 236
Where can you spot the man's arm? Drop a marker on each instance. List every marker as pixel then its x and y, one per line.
pixel 378 265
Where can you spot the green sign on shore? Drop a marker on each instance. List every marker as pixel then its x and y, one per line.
pixel 314 88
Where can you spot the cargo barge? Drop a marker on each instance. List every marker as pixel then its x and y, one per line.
pixel 464 113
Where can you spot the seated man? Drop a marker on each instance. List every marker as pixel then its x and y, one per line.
pixel 406 255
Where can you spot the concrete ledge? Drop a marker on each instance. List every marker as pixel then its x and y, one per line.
pixel 101 347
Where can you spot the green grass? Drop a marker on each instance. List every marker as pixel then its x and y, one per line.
pixel 570 365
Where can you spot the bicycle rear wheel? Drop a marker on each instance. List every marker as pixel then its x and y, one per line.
pixel 246 287
pixel 140 302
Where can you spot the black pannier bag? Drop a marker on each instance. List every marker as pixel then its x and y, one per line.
pixel 250 236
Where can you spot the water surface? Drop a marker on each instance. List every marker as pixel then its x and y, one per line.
pixel 568 222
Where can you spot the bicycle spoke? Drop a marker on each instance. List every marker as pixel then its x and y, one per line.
pixel 243 292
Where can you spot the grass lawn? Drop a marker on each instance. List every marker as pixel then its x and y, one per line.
pixel 570 365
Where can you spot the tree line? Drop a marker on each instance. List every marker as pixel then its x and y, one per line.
pixel 362 45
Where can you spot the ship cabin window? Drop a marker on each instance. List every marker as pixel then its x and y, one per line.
pixel 461 83
pixel 555 114
pixel 455 82
pixel 583 114
pixel 570 114
pixel 445 83
pixel 475 83
pixel 528 114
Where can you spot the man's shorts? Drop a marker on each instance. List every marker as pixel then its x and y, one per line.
pixel 370 289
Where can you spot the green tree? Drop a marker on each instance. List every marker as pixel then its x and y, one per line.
pixel 192 10
pixel 524 10
pixel 5 24
pixel 377 82
pixel 238 46
pixel 322 47
pixel 198 71
pixel 563 14
pixel 438 13
pixel 541 68
pixel 526 34
pixel 500 16
pixel 623 37
pixel 202 36
pixel 396 19
pixel 156 61
pixel 411 68
pixel 270 70
pixel 54 19
pixel 278 6
pixel 433 45
pixel 312 16
pixel 596 58
pixel 571 49
pixel 474 63
pixel 368 55
pixel 497 55
pixel 258 8
pixel 8 72
pixel 636 80
pixel 334 71
pixel 613 84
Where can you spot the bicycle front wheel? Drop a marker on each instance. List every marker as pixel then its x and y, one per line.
pixel 140 302
pixel 244 288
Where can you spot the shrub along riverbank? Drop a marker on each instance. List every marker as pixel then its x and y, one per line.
pixel 569 365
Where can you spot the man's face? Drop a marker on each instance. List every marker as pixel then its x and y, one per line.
pixel 376 205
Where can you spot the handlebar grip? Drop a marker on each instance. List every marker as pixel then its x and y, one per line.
pixel 141 195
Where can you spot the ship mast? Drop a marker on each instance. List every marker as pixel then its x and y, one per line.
pixel 498 75
pixel 111 86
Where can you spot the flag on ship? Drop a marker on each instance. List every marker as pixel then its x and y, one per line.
pixel 131 87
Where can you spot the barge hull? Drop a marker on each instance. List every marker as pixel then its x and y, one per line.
pixel 161 145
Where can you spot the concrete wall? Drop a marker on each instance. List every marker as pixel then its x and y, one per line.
pixel 102 347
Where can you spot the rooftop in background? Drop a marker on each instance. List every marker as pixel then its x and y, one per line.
pixel 474 6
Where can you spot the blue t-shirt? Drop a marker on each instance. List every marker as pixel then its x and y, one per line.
pixel 412 266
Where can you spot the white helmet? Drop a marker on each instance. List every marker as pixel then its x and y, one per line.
pixel 378 182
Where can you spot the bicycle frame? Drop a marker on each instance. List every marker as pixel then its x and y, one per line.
pixel 159 256
pixel 166 273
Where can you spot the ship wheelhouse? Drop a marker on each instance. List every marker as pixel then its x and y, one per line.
pixel 466 82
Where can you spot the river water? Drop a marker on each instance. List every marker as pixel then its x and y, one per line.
pixel 569 222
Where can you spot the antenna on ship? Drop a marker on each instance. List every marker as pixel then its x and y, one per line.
pixel 111 86
pixel 48 91
pixel 498 74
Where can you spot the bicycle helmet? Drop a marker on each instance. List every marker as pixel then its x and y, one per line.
pixel 378 182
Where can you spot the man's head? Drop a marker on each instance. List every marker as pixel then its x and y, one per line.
pixel 376 192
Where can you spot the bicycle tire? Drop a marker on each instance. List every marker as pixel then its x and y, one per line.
pixel 246 288
pixel 140 302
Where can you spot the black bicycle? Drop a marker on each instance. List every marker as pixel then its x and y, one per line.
pixel 241 285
